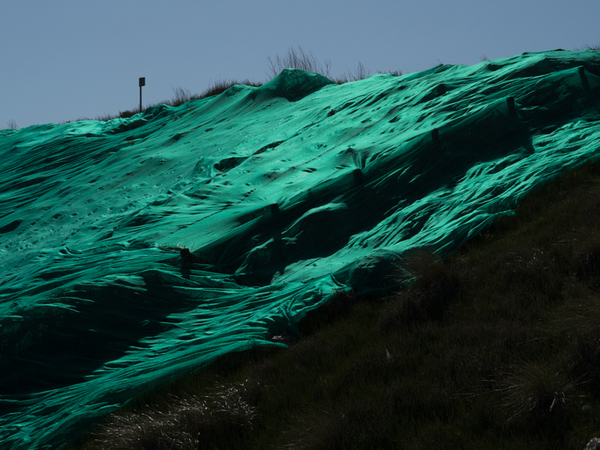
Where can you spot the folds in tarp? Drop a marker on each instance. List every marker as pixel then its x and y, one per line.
pixel 283 194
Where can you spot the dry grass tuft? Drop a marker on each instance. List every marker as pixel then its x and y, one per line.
pixel 188 421
pixel 537 394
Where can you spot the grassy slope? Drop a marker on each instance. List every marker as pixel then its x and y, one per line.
pixel 496 347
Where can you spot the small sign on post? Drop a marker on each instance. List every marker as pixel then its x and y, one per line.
pixel 142 83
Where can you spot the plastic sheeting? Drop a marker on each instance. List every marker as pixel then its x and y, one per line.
pixel 284 193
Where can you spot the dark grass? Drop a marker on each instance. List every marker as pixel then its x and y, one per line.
pixel 498 346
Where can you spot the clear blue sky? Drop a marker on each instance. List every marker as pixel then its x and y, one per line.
pixel 69 59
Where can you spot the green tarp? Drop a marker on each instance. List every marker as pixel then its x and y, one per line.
pixel 284 194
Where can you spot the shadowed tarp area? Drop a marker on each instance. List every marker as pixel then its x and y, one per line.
pixel 284 193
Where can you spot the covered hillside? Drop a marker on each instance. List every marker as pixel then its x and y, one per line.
pixel 284 194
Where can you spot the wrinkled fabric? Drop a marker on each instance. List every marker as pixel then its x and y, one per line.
pixel 283 194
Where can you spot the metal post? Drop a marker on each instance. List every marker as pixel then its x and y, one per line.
pixel 142 83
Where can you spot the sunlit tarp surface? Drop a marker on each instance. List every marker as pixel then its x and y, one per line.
pixel 284 194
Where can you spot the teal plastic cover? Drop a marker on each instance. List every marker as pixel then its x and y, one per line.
pixel 135 251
